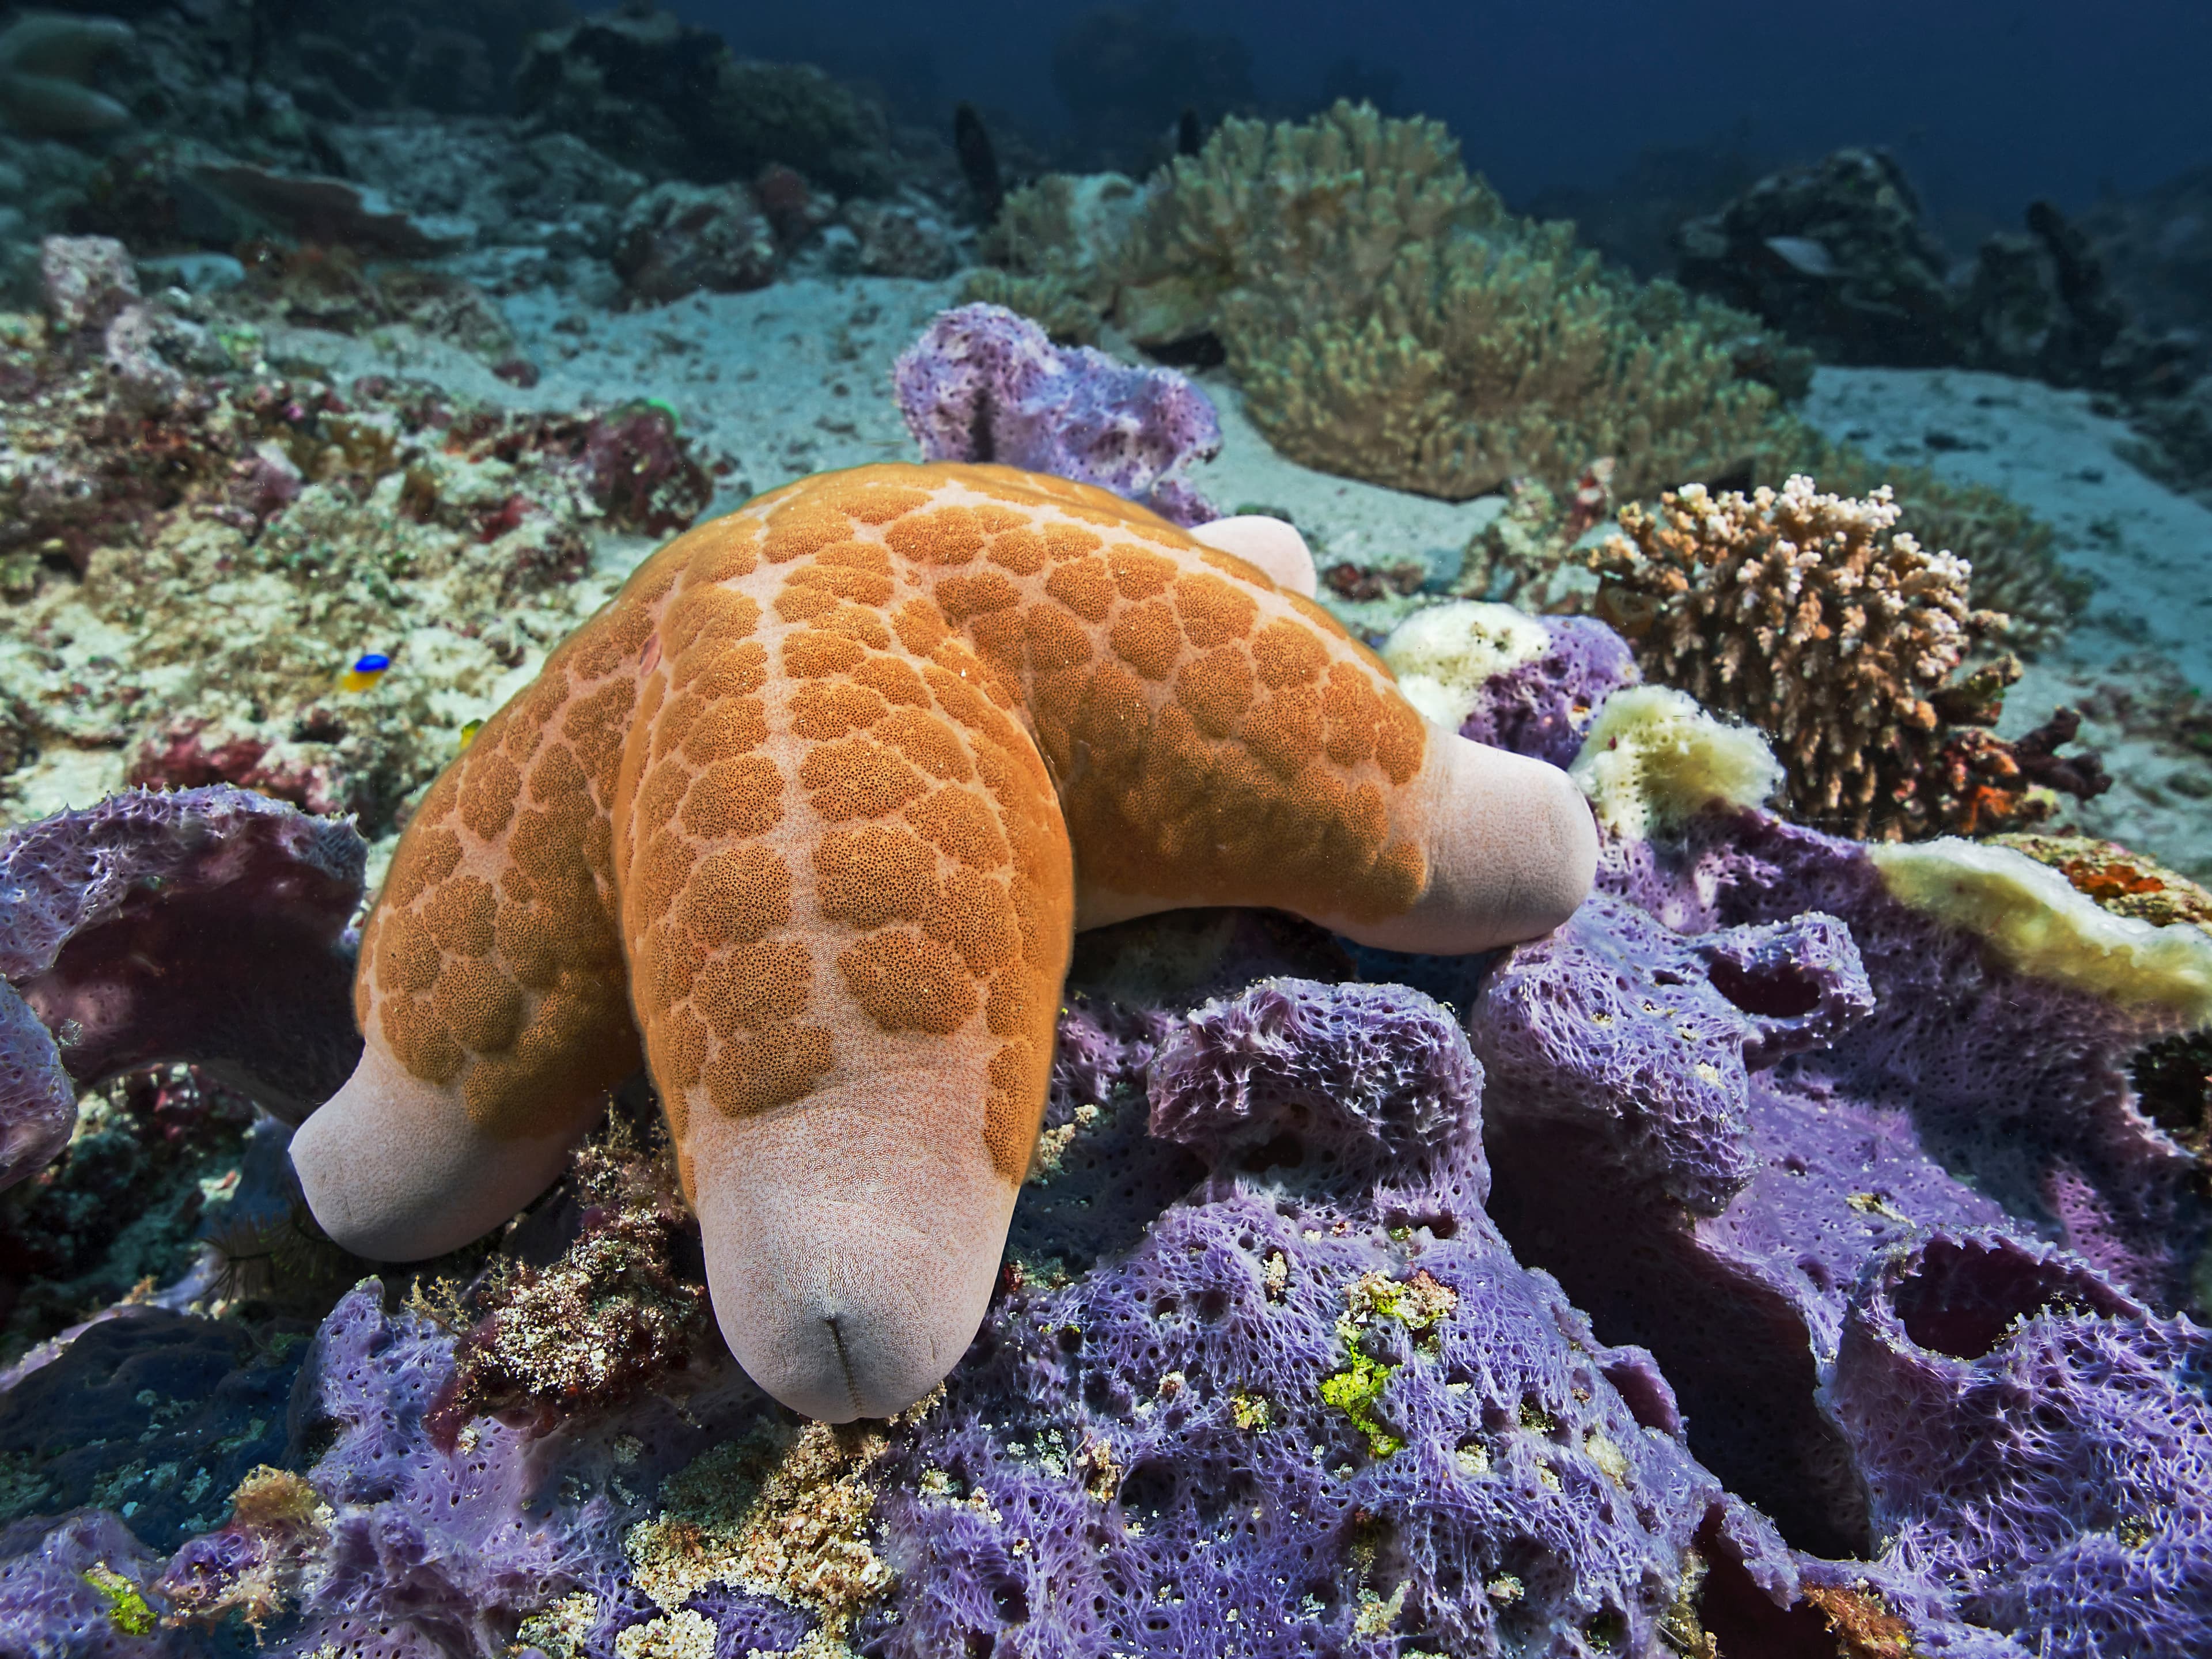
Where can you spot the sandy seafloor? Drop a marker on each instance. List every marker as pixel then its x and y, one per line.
pixel 795 379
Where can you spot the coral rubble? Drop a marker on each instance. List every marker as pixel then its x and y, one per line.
pixel 198 547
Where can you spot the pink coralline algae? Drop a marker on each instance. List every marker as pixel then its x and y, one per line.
pixel 208 926
pixel 984 383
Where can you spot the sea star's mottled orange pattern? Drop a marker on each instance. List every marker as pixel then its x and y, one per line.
pixel 825 790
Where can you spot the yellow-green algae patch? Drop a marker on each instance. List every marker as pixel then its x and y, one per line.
pixel 1355 1386
pixel 1654 758
pixel 778 1513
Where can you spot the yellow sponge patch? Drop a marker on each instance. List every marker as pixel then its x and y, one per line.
pixel 1442 655
pixel 1654 758
pixel 2038 924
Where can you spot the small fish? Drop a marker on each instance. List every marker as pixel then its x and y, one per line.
pixel 368 669
pixel 468 731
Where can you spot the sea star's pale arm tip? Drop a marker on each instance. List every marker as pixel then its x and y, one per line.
pixel 393 1170
pixel 1267 543
pixel 1511 851
pixel 851 1251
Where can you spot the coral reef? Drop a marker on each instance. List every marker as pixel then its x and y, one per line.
pixel 1872 1179
pixel 982 384
pixel 2017 574
pixel 1388 319
pixel 1834 255
pixel 677 238
pixel 1525 556
pixel 155 1163
pixel 1653 760
pixel 331 288
pixel 1811 617
pixel 153 1414
pixel 2121 880
pixel 1802 1173
pixel 413 1550
pixel 198 546
pixel 1288 1298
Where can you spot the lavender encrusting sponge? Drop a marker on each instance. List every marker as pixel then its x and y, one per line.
pixel 985 384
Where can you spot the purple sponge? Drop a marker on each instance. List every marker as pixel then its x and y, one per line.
pixel 984 383
pixel 2036 1442
pixel 1282 1423
pixel 1613 1017
pixel 207 926
pixel 1543 709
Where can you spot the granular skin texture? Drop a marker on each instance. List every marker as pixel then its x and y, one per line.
pixel 807 819
pixel 844 663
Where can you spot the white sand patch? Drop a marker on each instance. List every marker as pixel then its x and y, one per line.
pixel 1342 518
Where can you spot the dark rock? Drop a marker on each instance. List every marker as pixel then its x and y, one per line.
pixel 2158 248
pixel 672 101
pixel 1835 256
pixel 2041 305
pixel 900 239
pixel 334 211
pixel 677 238
pixel 154 1414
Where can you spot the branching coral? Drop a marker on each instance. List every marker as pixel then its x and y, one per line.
pixel 1390 320
pixel 1813 617
pixel 2016 571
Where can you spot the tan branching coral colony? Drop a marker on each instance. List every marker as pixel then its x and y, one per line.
pixel 810 812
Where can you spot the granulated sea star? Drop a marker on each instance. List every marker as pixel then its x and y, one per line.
pixel 813 808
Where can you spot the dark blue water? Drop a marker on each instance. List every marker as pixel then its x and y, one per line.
pixel 1989 102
